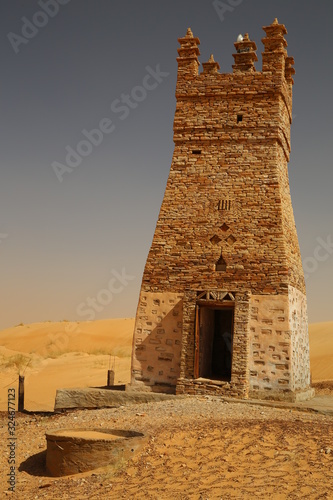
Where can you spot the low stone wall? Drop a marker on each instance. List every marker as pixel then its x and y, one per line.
pixel 102 398
pixel 214 387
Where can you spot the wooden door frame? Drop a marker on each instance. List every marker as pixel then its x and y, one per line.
pixel 197 343
pixel 210 305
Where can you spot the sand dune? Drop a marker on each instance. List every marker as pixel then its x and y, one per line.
pixel 64 354
pixel 78 354
pixel 321 351
pixel 48 339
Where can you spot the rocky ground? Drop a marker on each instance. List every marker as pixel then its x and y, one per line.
pixel 198 448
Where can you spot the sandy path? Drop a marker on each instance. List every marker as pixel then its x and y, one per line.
pixel 199 448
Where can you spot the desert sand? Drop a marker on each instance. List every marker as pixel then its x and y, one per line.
pixel 199 447
pixel 78 354
pixel 321 351
pixel 63 355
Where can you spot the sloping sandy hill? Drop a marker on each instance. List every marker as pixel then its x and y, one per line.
pixel 108 336
pixel 64 354
pixel 321 350
pixel 77 354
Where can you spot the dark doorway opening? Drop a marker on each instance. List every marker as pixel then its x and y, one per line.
pixel 214 338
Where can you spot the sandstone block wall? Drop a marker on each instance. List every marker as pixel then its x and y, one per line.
pixel 270 344
pixel 157 339
pixel 300 353
pixel 279 348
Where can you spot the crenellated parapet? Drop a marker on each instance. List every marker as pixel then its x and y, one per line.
pixel 245 105
pixel 188 62
pixel 246 55
pixel 275 59
pixel 275 53
pixel 289 70
pixel 211 66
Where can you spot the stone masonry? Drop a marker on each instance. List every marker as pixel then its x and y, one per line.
pixel 225 253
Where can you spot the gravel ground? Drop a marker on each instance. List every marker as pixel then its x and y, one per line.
pixel 198 447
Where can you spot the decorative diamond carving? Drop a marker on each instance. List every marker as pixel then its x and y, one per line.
pixel 215 239
pixel 230 240
pixel 224 227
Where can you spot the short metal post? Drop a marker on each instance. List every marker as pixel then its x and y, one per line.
pixel 110 380
pixel 21 393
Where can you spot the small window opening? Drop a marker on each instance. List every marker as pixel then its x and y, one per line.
pixel 220 267
pixel 224 205
pixel 196 151
pixel 239 118
pixel 221 264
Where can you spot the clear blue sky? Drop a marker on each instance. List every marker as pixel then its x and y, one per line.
pixel 62 243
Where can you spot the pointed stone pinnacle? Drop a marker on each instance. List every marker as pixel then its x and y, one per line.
pixel 189 32
pixel 211 59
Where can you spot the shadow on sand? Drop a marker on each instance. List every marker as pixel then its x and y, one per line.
pixel 35 465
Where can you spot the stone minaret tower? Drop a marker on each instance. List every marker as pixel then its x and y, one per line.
pixel 222 307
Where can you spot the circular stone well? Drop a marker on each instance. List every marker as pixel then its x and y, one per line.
pixel 70 451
